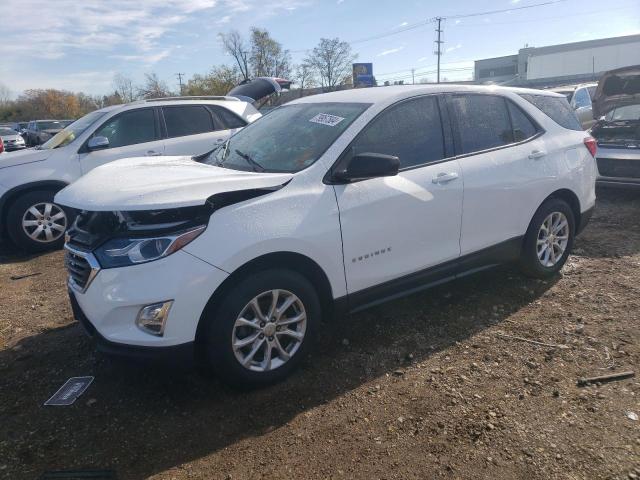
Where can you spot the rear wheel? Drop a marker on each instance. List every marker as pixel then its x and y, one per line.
pixel 263 328
pixel 549 239
pixel 36 223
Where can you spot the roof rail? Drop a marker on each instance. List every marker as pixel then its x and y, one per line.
pixel 196 97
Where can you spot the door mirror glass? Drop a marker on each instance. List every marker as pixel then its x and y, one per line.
pixel 98 143
pixel 368 165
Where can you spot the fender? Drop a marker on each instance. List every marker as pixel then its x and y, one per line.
pixel 15 191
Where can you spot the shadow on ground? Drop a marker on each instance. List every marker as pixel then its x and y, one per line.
pixel 144 419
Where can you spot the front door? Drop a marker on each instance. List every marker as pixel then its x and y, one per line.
pixel 394 227
pixel 133 133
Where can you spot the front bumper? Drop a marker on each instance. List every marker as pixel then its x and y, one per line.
pixel 111 303
pixel 183 354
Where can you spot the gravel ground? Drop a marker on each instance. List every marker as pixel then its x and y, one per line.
pixel 431 386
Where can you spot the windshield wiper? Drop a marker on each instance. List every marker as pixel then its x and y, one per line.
pixel 250 161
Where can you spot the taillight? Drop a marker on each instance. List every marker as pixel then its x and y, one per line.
pixel 1 146
pixel 591 145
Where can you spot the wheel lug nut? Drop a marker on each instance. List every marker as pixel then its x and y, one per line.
pixel 262 324
pixel 271 339
pixel 262 335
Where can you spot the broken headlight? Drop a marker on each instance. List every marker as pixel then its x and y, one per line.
pixel 121 252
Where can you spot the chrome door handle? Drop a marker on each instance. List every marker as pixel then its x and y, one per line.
pixel 153 153
pixel 444 177
pixel 535 154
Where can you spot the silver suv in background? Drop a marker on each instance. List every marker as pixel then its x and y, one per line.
pixel 580 98
pixel 617 105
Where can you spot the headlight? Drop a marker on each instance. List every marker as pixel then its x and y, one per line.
pixel 121 252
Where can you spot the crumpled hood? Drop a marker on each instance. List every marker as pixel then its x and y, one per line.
pixel 30 155
pixel 155 183
pixel 617 88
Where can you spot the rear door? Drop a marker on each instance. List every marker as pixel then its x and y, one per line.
pixel 503 161
pixel 132 133
pixel 394 227
pixel 194 129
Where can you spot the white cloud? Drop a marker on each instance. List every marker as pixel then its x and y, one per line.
pixel 403 24
pixel 390 51
pixel 451 49
pixel 423 59
pixel 515 1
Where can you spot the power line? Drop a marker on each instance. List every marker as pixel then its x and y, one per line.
pixel 504 10
pixel 433 20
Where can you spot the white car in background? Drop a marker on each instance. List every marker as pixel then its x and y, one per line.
pixel 29 179
pixel 330 203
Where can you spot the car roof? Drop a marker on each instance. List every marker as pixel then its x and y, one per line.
pixel 398 92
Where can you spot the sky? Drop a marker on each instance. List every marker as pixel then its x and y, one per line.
pixel 80 45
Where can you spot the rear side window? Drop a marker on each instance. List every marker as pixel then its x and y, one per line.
pixel 225 119
pixel 556 108
pixel 523 127
pixel 411 131
pixel 187 120
pixel 483 122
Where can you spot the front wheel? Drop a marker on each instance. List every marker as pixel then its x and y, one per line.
pixel 35 223
pixel 549 239
pixel 262 329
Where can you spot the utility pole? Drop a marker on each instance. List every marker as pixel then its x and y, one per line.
pixel 413 76
pixel 439 43
pixel 179 75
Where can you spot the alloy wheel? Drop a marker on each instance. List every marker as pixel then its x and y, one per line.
pixel 553 238
pixel 269 330
pixel 44 222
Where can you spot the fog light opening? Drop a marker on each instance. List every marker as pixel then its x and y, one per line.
pixel 152 318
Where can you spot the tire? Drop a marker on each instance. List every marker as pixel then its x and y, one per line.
pixel 221 329
pixel 546 259
pixel 22 210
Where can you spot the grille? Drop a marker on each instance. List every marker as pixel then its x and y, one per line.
pixel 82 268
pixel 613 167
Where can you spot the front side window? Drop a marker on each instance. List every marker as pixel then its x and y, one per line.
pixel 410 130
pixel 556 108
pixel 288 139
pixel 129 128
pixel 187 120
pixel 483 122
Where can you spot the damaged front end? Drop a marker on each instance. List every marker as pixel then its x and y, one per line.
pixel 101 240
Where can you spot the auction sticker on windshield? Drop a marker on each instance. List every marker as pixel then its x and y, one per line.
pixel 326 119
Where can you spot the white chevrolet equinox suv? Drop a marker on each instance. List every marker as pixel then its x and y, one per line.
pixel 327 205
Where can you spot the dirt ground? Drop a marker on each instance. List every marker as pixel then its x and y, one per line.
pixel 424 387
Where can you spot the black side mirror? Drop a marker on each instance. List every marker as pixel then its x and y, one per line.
pixel 366 165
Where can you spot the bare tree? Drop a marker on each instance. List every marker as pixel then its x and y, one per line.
pixel 234 45
pixel 5 94
pixel 268 59
pixel 154 87
pixel 332 61
pixel 124 88
pixel 304 77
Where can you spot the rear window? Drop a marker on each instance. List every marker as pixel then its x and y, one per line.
pixel 556 108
